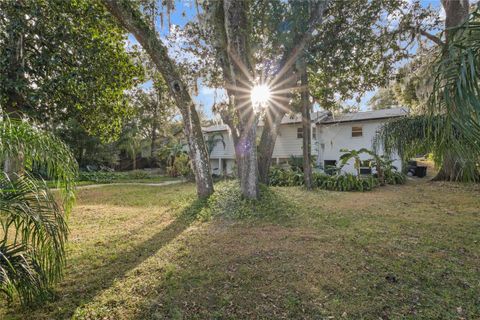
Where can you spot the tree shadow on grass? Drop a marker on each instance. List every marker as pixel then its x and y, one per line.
pixel 80 290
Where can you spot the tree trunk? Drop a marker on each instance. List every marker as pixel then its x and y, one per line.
pixel 229 19
pixel 307 127
pixel 268 138
pixel 236 28
pixel 131 19
pixel 456 12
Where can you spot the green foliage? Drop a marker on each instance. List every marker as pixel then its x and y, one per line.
pixel 101 176
pixel 394 177
pixel 449 125
pixel 344 182
pixel 227 201
pixel 384 98
pixel 32 250
pixel 32 254
pixel 339 182
pixel 285 177
pixel 424 134
pixel 65 59
pixel 180 166
pixel 88 150
pixel 338 67
pixel 456 92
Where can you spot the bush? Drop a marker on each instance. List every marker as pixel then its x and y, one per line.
pixel 345 182
pixel 137 174
pixel 180 167
pixel 394 177
pixel 100 176
pixel 285 177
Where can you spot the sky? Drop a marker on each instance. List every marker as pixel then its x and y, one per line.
pixel 185 10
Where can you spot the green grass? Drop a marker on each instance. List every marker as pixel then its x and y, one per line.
pixel 398 252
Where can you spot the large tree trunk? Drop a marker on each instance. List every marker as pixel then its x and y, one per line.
pixel 307 127
pixel 236 28
pixel 229 19
pixel 131 19
pixel 456 12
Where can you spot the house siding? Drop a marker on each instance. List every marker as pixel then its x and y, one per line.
pixel 337 136
pixel 288 144
pixel 330 139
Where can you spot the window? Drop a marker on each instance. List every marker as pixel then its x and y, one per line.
pixel 299 133
pixel 314 133
pixel 357 132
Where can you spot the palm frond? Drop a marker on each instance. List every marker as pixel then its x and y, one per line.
pixel 422 134
pixel 40 150
pixel 449 126
pixel 34 229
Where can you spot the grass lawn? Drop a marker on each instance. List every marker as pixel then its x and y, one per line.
pixel 137 252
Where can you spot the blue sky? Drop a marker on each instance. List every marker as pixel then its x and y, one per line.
pixel 185 11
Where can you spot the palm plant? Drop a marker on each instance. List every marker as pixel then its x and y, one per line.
pixel 450 125
pixel 33 223
pixel 355 155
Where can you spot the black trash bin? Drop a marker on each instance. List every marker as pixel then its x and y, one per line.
pixel 421 171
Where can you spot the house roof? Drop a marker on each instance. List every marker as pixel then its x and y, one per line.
pixel 365 115
pixel 325 117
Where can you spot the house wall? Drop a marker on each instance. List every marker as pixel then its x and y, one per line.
pixel 333 137
pixel 330 139
pixel 288 144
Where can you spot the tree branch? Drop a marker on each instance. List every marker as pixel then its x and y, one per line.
pixel 431 37
pixel 290 56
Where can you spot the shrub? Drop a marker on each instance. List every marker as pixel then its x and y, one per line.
pixel 345 182
pixel 180 166
pixel 137 174
pixel 394 177
pixel 285 177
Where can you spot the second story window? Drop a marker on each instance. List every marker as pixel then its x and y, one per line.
pixel 357 132
pixel 314 133
pixel 299 133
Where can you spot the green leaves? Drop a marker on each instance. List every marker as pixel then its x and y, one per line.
pixel 74 63
pixel 32 253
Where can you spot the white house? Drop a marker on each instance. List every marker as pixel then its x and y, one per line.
pixel 351 131
pixel 330 134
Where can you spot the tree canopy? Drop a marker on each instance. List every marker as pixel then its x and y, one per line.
pixel 65 59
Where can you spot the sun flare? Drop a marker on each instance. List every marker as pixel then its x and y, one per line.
pixel 260 94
